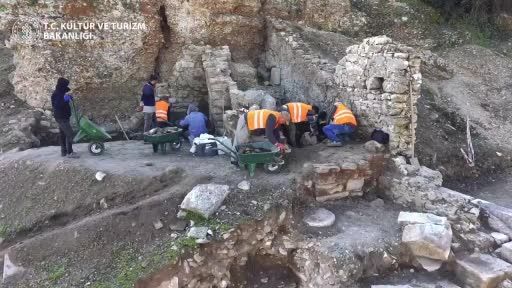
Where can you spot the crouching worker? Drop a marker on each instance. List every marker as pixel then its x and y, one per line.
pixel 163 112
pixel 261 123
pixel 196 122
pixel 299 121
pixel 62 114
pixel 342 125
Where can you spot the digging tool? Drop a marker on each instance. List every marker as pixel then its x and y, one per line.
pixel 122 129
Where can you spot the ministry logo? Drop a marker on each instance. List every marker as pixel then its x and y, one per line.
pixel 26 31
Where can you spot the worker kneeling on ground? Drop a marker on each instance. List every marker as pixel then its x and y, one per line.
pixel 196 122
pixel 342 125
pixel 262 122
pixel 299 121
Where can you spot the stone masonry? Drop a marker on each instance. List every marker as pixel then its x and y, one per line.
pixel 420 189
pixel 216 62
pixel 331 181
pixel 381 81
pixel 305 75
pixel 187 81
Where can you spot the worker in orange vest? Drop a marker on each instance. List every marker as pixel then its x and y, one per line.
pixel 163 112
pixel 300 115
pixel 262 122
pixel 343 124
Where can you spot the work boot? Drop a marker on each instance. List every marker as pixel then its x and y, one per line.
pixel 73 155
pixel 63 153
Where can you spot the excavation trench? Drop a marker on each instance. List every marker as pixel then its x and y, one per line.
pixel 279 251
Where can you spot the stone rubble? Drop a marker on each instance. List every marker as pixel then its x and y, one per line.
pixel 497 217
pixel 205 199
pixel 421 189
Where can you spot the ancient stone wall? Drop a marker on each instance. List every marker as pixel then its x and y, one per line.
pixel 420 189
pixel 381 81
pixel 187 81
pixel 343 178
pixel 216 62
pixel 305 75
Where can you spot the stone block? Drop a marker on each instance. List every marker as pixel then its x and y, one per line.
pixel 482 271
pixel 322 189
pixel 198 232
pixel 407 218
pixel 505 252
pixel 275 76
pixel 500 238
pixel 349 166
pixel 355 184
pixel 397 87
pixel 326 168
pixel 205 199
pixel 332 197
pixel 428 240
pixel 320 218
pixel 429 264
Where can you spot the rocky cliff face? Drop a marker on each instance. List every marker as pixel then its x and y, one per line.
pixel 104 71
pixel 107 72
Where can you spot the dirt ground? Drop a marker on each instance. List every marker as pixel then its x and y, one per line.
pixel 59 232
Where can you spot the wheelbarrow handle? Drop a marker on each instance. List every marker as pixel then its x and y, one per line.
pixel 227 147
pixel 77 118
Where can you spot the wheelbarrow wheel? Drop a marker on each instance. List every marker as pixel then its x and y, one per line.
pixel 96 148
pixel 176 145
pixel 273 168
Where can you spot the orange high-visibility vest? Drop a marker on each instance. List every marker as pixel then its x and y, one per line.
pixel 298 112
pixel 162 107
pixel 257 119
pixel 344 116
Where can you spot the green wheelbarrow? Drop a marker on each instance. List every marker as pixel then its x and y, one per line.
pixel 251 154
pixel 90 132
pixel 160 141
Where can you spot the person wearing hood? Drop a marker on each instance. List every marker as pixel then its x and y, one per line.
pixel 148 101
pixel 62 115
pixel 195 121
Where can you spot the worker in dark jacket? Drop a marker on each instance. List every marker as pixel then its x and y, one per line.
pixel 147 102
pixel 62 114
